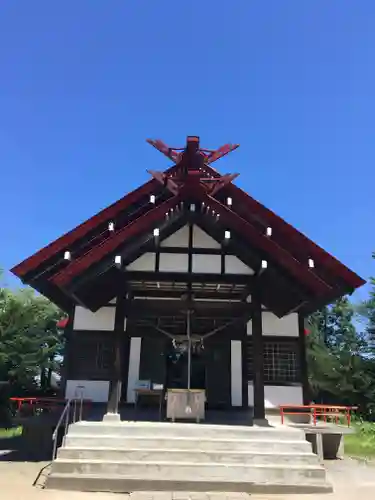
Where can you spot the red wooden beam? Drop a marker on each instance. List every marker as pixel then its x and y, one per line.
pixel 166 150
pixel 165 181
pixel 222 182
pixel 290 237
pixel 270 247
pixel 222 151
pixel 109 245
pixel 65 241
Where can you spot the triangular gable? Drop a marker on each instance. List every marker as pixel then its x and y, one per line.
pixel 203 240
pixel 233 265
pixel 179 239
pixel 145 262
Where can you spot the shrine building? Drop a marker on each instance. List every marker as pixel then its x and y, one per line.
pixel 187 282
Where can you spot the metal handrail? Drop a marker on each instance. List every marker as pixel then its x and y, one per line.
pixel 66 414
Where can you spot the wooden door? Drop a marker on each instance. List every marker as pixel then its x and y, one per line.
pixel 218 373
pixel 153 362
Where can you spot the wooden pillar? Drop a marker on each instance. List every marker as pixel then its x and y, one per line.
pixel 303 360
pixel 119 335
pixel 67 356
pixel 125 357
pixel 258 364
pixel 245 382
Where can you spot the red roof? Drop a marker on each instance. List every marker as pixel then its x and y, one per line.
pixel 192 178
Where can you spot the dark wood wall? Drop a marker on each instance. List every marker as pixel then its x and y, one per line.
pixel 90 356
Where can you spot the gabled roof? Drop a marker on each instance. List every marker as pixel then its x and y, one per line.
pixel 298 263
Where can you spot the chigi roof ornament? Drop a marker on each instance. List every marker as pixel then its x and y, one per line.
pixel 191 161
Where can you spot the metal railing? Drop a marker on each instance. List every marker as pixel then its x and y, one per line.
pixel 71 413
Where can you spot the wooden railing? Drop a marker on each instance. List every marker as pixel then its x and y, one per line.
pixel 325 412
pixel 34 405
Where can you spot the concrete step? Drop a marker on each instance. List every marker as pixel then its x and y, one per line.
pixel 74 440
pixel 119 484
pixel 196 456
pixel 131 456
pixel 191 472
pixel 166 430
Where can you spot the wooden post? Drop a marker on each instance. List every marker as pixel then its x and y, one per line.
pixel 119 334
pixel 188 333
pixel 257 334
pixel 66 368
pixel 303 360
pixel 245 382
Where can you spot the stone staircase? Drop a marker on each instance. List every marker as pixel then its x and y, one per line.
pixel 147 456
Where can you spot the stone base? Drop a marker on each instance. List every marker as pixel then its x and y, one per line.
pixel 332 445
pixel 112 417
pixel 261 422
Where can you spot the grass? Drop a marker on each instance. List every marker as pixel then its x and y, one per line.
pixel 10 433
pixel 362 442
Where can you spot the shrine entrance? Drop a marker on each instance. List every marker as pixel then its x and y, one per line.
pixel 177 366
pixel 179 361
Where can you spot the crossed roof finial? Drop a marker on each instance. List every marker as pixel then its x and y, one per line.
pixel 192 147
pixel 191 161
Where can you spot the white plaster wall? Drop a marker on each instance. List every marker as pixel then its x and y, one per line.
pixel 178 239
pixel 174 262
pixel 95 390
pixel 236 372
pixel 134 363
pixel 273 326
pixel 203 240
pixel 103 319
pixel 233 265
pixel 286 326
pixel 145 262
pixel 250 394
pixel 276 395
pixel 206 263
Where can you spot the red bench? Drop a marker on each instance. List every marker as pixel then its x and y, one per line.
pixel 33 404
pixel 326 412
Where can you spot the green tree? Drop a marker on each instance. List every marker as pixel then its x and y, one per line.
pixel 30 344
pixel 322 364
pixel 340 368
pixel 367 311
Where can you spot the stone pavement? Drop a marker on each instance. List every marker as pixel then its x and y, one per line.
pixel 351 479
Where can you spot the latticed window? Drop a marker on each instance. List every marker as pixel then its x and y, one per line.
pixel 281 361
pixel 92 357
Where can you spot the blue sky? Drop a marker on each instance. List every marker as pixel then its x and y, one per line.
pixel 85 82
